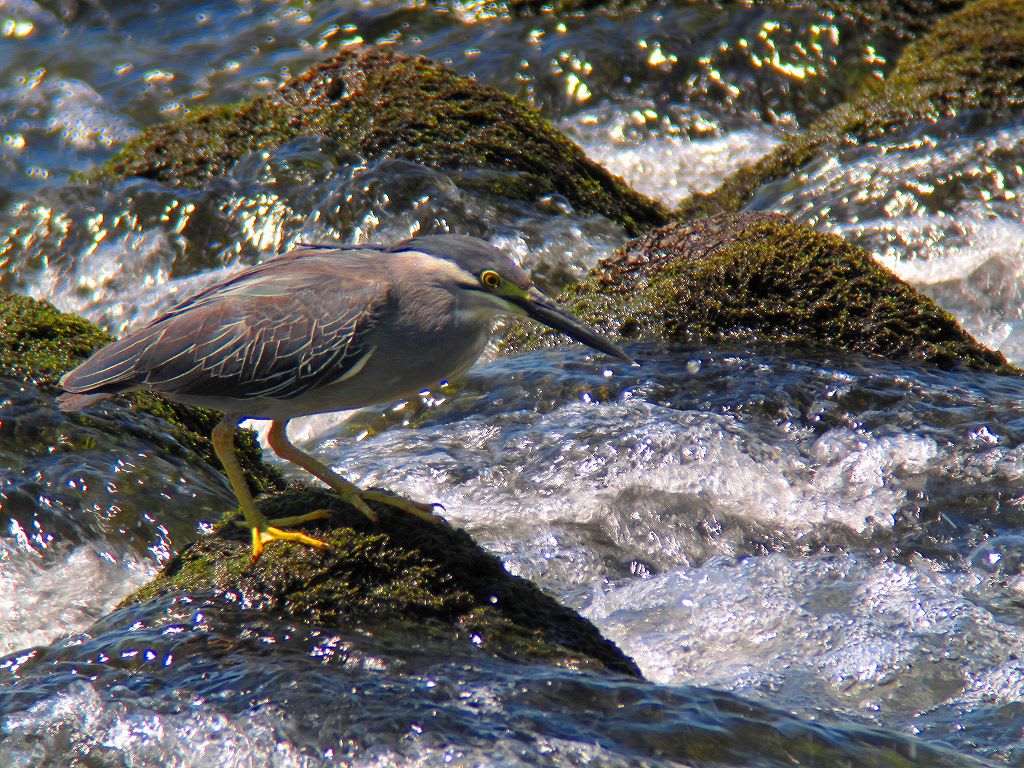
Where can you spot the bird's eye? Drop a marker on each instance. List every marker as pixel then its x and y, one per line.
pixel 490 279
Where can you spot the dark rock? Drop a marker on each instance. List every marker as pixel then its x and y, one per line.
pixel 903 19
pixel 401 575
pixel 764 279
pixel 380 106
pixel 970 62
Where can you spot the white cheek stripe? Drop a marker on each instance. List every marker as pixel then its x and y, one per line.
pixel 428 262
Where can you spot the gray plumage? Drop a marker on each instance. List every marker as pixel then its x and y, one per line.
pixel 270 331
pixel 320 328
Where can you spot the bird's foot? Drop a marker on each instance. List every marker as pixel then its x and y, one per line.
pixel 415 508
pixel 265 531
pixel 358 498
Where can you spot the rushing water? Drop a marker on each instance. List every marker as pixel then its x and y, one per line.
pixel 814 560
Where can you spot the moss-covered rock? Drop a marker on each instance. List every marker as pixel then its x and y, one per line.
pixel 971 60
pixel 764 279
pixel 39 343
pixel 901 18
pixel 380 105
pixel 399 575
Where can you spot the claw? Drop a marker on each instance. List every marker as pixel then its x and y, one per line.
pixel 265 531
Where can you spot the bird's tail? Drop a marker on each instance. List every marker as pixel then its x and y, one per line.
pixel 73 401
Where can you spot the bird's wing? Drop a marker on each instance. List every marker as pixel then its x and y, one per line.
pixel 348 257
pixel 276 330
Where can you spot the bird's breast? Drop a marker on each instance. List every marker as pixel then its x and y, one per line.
pixel 402 365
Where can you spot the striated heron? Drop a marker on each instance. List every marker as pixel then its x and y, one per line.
pixel 322 328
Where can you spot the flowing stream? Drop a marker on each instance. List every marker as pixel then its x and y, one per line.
pixel 813 559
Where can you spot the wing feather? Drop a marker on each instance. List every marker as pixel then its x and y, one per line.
pixel 277 330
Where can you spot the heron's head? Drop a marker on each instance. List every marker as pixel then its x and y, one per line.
pixel 489 281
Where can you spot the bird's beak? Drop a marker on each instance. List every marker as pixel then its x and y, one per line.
pixel 544 310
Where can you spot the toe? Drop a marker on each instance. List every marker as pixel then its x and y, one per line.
pixel 298 538
pixel 263 535
pixel 415 508
pixel 356 500
pixel 288 522
pixel 257 544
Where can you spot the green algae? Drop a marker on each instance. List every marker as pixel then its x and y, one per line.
pixel 905 19
pixel 764 279
pixel 39 343
pixel 970 62
pixel 400 573
pixel 898 18
pixel 379 105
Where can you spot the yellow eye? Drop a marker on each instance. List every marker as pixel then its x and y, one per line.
pixel 490 279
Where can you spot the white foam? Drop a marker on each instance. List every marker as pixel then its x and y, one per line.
pixel 665 163
pixel 812 630
pixel 981 281
pixel 83 721
pixel 640 474
pixel 81 117
pixel 80 720
pixel 43 599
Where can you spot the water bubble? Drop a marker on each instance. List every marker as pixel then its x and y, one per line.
pixel 1000 556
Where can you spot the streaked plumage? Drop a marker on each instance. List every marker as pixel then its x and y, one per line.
pixel 322 328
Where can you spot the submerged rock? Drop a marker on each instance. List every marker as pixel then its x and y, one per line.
pixel 401 575
pixel 970 62
pixel 204 682
pixel 380 105
pixel 764 279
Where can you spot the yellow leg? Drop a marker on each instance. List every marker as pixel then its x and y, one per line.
pixel 350 492
pixel 263 530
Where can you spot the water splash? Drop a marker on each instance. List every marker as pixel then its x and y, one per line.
pixel 667 158
pixel 82 584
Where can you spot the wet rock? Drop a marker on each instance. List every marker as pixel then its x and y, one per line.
pixel 379 105
pixel 39 343
pixel 401 575
pixel 202 682
pixel 968 65
pixel 764 279
pixel 900 18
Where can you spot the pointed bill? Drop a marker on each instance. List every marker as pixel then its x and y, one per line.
pixel 543 310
